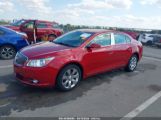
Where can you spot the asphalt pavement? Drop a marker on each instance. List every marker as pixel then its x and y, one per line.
pixel 112 94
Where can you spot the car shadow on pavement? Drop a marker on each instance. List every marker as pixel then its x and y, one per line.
pixel 18 97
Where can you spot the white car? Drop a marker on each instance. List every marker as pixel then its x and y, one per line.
pixel 146 38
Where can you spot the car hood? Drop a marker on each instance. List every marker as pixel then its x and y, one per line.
pixel 16 28
pixel 44 49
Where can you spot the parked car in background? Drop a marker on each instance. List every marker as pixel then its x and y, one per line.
pixel 74 56
pixel 157 40
pixel 16 25
pixel 147 39
pixel 10 42
pixel 44 30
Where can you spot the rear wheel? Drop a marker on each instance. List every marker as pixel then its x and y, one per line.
pixel 69 77
pixel 7 52
pixel 159 46
pixel 132 64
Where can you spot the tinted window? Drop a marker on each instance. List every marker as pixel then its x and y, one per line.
pixel 29 25
pixel 73 39
pixel 41 25
pixel 102 40
pixel 18 23
pixel 120 39
pixel 56 26
pixel 128 39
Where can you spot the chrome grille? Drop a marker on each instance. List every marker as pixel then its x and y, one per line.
pixel 20 59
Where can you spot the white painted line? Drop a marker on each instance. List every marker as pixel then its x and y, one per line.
pixel 7 66
pixel 151 58
pixel 142 107
pixel 4 105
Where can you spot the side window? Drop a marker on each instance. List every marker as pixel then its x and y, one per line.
pixel 120 39
pixel 102 40
pixel 128 39
pixel 41 25
pixel 29 25
pixel 56 26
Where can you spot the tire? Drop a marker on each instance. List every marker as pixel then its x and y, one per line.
pixel 51 37
pixel 69 77
pixel 132 64
pixel 159 46
pixel 7 52
pixel 149 43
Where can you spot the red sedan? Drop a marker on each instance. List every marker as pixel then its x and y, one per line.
pixel 74 56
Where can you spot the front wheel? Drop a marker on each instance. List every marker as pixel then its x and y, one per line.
pixel 132 64
pixel 69 77
pixel 7 52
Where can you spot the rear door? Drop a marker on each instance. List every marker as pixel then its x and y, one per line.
pixel 122 49
pixel 42 29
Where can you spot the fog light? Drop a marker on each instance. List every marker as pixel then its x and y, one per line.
pixel 35 81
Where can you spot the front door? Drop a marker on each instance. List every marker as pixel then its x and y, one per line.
pixel 28 28
pixel 97 60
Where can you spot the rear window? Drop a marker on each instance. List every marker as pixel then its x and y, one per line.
pixel 41 25
pixel 56 26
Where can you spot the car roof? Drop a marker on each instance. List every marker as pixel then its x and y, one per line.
pixel 44 21
pixel 95 30
pixel 99 31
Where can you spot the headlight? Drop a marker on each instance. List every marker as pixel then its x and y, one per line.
pixel 39 62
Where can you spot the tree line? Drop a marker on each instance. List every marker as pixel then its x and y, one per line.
pixel 69 27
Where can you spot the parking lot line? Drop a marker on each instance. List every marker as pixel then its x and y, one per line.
pixel 151 58
pixel 7 66
pixel 142 107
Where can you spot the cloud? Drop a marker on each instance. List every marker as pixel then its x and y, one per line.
pixel 151 2
pixel 126 21
pixel 6 6
pixel 40 8
pixel 102 4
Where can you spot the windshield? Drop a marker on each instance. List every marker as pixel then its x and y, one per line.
pixel 56 26
pixel 73 39
pixel 18 23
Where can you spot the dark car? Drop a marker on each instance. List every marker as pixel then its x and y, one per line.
pixel 10 42
pixel 157 40
pixel 74 56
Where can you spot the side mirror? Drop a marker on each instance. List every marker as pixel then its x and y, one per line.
pixel 94 45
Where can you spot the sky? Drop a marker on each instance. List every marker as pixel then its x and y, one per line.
pixel 144 14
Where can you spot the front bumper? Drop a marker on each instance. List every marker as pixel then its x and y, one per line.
pixel 46 76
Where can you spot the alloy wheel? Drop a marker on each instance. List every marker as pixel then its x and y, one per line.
pixel 133 63
pixel 70 78
pixel 7 52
